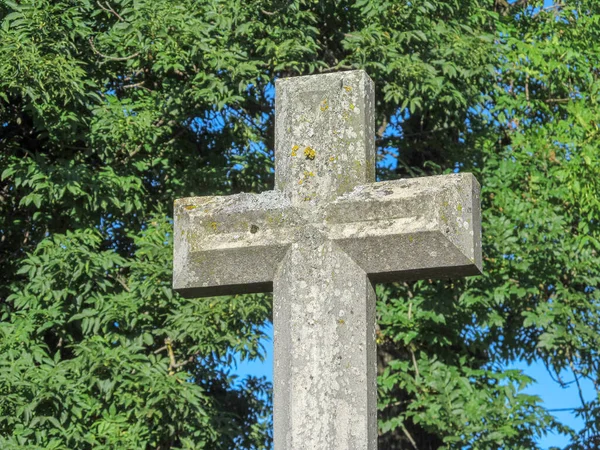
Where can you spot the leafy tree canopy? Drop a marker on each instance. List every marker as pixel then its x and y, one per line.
pixel 109 110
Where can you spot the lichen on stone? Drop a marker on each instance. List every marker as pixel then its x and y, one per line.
pixel 295 150
pixel 310 153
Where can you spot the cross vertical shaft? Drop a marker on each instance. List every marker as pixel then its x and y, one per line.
pixel 324 304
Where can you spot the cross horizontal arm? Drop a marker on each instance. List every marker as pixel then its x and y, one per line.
pixel 230 245
pixel 410 229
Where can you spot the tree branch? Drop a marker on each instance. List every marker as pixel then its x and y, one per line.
pixel 504 8
pixel 172 361
pixel 412 353
pixel 120 281
pixel 410 438
pixel 557 100
pixel 382 128
pixel 110 10
pixel 336 68
pixel 579 389
pixel 112 58
pixel 132 86
pixel 557 6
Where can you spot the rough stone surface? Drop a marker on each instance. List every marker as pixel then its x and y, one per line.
pixel 319 241
pixel 325 367
pixel 324 135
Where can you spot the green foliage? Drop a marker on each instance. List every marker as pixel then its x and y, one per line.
pixel 99 353
pixel 111 110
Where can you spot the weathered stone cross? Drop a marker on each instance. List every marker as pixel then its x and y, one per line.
pixel 319 241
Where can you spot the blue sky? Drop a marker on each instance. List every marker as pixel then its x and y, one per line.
pixel 556 398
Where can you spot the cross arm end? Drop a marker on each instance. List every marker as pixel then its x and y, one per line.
pixel 229 244
pixel 411 229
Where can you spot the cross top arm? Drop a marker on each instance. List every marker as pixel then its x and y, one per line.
pixel 394 230
pixel 325 159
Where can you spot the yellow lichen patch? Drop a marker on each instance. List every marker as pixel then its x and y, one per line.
pixel 310 153
pixel 332 158
pixel 305 176
pixel 214 226
pixel 459 207
pixel 324 105
pixel 190 207
pixel 347 88
pixel 351 106
pixel 295 150
pixel 341 321
pixel 308 198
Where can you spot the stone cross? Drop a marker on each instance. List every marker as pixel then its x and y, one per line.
pixel 320 241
